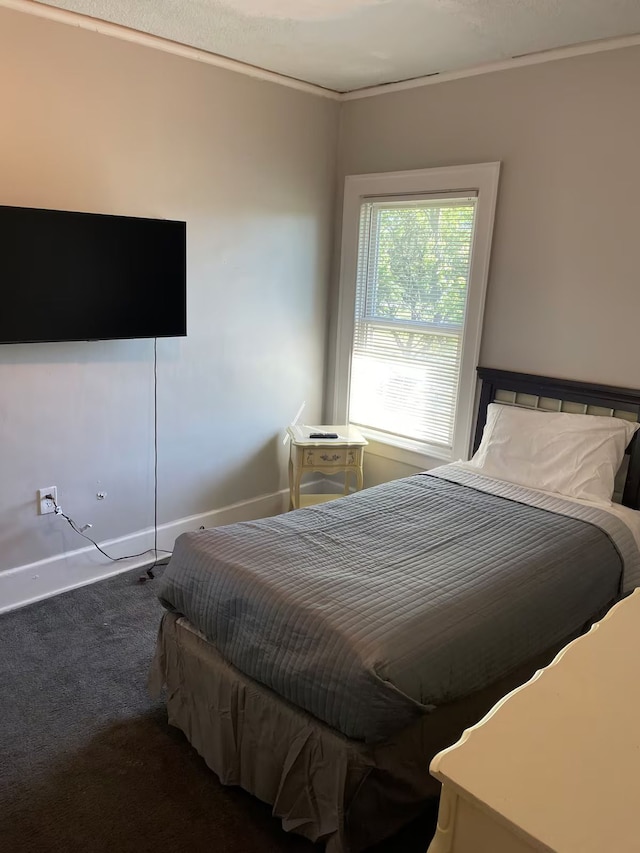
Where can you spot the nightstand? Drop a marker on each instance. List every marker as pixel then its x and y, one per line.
pixel 326 456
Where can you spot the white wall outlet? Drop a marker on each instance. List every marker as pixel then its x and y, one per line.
pixel 45 504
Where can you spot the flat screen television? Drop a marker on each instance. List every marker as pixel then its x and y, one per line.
pixel 88 276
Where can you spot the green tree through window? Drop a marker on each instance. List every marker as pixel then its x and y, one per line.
pixel 411 298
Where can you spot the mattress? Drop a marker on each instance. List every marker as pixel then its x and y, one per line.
pixel 370 611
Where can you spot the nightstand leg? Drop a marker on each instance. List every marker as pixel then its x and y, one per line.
pixel 359 479
pixel 347 477
pixel 290 484
pixel 296 488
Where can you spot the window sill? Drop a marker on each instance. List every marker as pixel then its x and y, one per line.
pixel 396 451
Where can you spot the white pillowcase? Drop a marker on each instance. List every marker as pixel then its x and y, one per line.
pixel 573 455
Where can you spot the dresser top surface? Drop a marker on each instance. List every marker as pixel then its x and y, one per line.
pixel 559 758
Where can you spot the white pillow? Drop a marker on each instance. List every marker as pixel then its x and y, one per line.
pixel 574 455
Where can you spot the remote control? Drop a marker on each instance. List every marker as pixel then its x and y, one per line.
pixel 323 435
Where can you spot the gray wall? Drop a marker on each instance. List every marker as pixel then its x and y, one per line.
pixel 93 123
pixel 564 291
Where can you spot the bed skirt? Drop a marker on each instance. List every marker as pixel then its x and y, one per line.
pixel 321 784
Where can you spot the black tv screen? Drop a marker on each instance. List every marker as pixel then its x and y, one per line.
pixel 89 276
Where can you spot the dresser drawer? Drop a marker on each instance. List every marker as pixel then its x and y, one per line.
pixel 327 457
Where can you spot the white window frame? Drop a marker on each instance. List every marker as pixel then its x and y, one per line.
pixel 481 178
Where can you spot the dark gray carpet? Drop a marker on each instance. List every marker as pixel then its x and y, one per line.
pixel 88 762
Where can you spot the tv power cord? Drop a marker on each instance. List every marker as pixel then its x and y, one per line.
pixel 149 575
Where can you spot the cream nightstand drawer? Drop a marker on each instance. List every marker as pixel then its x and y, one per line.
pixel 322 457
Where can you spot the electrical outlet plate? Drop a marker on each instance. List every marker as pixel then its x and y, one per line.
pixel 45 505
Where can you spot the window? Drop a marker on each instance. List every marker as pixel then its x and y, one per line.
pixel 414 268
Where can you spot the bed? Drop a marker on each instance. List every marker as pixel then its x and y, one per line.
pixel 321 658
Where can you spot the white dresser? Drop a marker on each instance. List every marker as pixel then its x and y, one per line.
pixel 555 765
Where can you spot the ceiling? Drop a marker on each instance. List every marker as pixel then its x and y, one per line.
pixel 345 45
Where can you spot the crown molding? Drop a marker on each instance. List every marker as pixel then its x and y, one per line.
pixel 95 25
pixel 75 19
pixel 503 65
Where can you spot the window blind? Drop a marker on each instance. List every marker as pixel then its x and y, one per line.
pixel 411 292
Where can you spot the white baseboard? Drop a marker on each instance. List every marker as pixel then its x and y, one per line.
pixel 35 581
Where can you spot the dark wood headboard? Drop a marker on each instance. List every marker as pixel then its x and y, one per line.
pixel 495 382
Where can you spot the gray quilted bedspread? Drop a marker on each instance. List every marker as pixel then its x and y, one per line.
pixel 371 610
